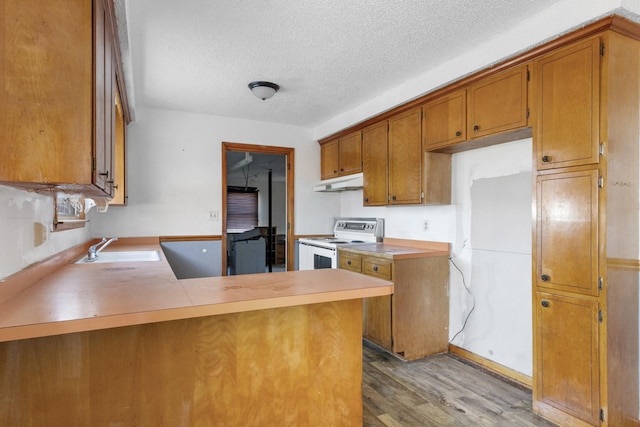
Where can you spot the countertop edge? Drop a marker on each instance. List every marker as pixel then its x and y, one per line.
pixel 46 327
pixel 38 330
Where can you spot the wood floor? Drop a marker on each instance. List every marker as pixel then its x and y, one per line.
pixel 439 391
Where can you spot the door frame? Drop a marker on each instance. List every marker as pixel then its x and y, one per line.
pixel 264 149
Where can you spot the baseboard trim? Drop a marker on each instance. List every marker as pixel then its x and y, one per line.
pixel 503 371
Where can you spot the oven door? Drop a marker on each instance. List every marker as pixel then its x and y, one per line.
pixel 311 257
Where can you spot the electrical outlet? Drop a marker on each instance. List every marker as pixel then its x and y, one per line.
pixel 425 225
pixel 213 215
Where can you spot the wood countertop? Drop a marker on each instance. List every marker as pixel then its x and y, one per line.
pixel 84 297
pixel 399 249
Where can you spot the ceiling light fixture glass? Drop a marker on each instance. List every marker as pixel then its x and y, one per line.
pixel 263 90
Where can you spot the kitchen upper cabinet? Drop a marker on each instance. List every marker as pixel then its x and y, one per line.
pixel 567 357
pixel 405 158
pixel 497 103
pixel 342 156
pixel 329 167
pixel 374 165
pixel 119 176
pixel 58 109
pixel 428 180
pixel 444 121
pixel 567 231
pixel 105 108
pixel 567 106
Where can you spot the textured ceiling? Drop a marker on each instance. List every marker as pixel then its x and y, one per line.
pixel 328 56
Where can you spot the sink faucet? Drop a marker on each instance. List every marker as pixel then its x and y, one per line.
pixel 93 249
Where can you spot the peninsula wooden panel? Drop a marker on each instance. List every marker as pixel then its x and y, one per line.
pixel 298 365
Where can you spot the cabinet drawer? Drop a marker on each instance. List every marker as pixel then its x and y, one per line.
pixel 350 262
pixel 377 267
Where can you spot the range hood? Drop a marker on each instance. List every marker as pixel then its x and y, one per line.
pixel 343 183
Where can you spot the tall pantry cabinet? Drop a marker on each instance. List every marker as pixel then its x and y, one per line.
pixel 585 269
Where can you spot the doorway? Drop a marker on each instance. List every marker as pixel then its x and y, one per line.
pixel 260 172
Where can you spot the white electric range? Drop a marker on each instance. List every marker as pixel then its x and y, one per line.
pixel 317 253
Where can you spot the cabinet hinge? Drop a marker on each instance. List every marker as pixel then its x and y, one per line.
pixel 600 283
pixel 601 149
pixel 422 195
pixel 288 166
pixel 601 414
pixel 528 112
pixel 601 182
pixel 600 316
pixel 528 75
pixel 602 49
pixel 93 164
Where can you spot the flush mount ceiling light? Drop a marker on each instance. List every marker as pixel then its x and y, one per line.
pixel 263 90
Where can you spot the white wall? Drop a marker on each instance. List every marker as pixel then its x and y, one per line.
pixel 19 211
pixel 174 175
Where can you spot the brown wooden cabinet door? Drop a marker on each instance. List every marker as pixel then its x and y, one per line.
pixel 444 121
pixel 405 158
pixel 377 323
pixel 567 231
pixel 329 167
pixel 498 103
pixel 566 364
pixel 374 165
pixel 104 99
pixel 46 92
pixel 567 108
pixel 119 164
pixel 350 154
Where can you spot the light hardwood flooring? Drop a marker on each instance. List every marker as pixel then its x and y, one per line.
pixel 440 390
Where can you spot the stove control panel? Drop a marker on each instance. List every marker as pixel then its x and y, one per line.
pixel 362 226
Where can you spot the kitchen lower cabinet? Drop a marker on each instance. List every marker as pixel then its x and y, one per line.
pixel 414 321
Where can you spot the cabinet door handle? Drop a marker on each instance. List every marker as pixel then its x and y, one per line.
pixel 546 159
pixel 335 171
pixel 476 128
pixel 341 169
pixel 393 197
pixel 458 133
pixel 545 277
pixel 349 262
pixel 375 268
pixel 545 303
pixel 104 173
pixel 366 200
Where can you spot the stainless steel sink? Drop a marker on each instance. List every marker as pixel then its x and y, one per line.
pixel 122 256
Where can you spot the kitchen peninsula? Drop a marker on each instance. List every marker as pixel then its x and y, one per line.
pixel 129 344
